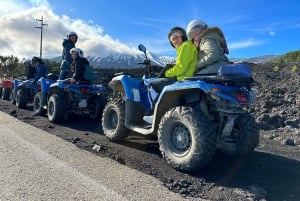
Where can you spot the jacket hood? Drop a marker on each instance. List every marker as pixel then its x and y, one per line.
pixel 218 34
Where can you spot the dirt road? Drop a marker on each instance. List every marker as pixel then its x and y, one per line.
pixel 272 172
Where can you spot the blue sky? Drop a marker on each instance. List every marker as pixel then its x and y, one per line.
pixel 252 28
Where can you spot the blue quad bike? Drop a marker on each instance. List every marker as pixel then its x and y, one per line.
pixel 80 98
pixel 15 84
pixel 23 92
pixel 40 98
pixel 192 118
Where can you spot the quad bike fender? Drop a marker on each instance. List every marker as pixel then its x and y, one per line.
pixel 45 84
pixel 54 89
pixel 179 93
pixel 126 86
pixel 16 83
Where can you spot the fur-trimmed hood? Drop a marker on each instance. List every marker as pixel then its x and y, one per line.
pixel 210 32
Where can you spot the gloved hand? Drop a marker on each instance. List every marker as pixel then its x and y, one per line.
pixel 162 73
pixel 168 66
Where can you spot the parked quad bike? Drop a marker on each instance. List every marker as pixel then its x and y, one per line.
pixel 6 87
pixel 23 92
pixel 192 118
pixel 80 98
pixel 40 98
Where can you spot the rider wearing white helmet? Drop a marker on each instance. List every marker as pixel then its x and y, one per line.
pixel 29 68
pixel 78 65
pixel 211 45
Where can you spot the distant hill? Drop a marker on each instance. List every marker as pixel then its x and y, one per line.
pixel 288 57
pixel 255 60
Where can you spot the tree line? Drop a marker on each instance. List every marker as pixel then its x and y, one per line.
pixel 12 66
pixel 287 58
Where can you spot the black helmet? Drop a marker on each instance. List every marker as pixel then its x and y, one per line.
pixel 39 59
pixel 180 30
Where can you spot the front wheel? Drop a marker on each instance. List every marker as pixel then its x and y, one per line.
pixel 38 106
pixel 186 138
pixel 113 120
pixel 21 98
pixel 244 137
pixel 5 93
pixel 56 108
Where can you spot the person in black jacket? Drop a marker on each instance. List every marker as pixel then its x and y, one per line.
pixel 29 69
pixel 78 65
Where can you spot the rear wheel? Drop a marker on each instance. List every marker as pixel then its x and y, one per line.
pixel 113 120
pixel 186 138
pixel 38 106
pixel 5 93
pixel 244 137
pixel 56 108
pixel 21 98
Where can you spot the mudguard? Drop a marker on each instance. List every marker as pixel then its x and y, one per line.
pixel 45 84
pixel 134 89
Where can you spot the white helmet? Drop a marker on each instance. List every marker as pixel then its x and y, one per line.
pixel 28 61
pixel 71 33
pixel 193 26
pixel 78 50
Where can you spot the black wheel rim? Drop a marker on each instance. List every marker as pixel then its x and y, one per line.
pixel 180 138
pixel 37 103
pixel 50 108
pixel 112 122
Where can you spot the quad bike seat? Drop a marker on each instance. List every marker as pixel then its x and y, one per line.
pixel 217 79
pixel 231 74
pixel 52 76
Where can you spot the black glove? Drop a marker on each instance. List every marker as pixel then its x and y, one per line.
pixel 168 66
pixel 162 73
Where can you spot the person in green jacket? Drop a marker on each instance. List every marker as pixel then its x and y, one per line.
pixel 211 45
pixel 186 59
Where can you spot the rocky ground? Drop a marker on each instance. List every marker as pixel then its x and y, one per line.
pixel 270 173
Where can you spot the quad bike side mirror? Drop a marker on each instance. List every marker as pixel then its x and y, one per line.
pixel 142 48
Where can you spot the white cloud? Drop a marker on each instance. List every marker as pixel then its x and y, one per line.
pixel 19 37
pixel 244 44
pixel 272 33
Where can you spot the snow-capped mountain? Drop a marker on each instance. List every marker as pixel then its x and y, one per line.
pixel 118 60
pixel 128 61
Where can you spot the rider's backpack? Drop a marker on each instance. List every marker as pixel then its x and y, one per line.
pixel 89 74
